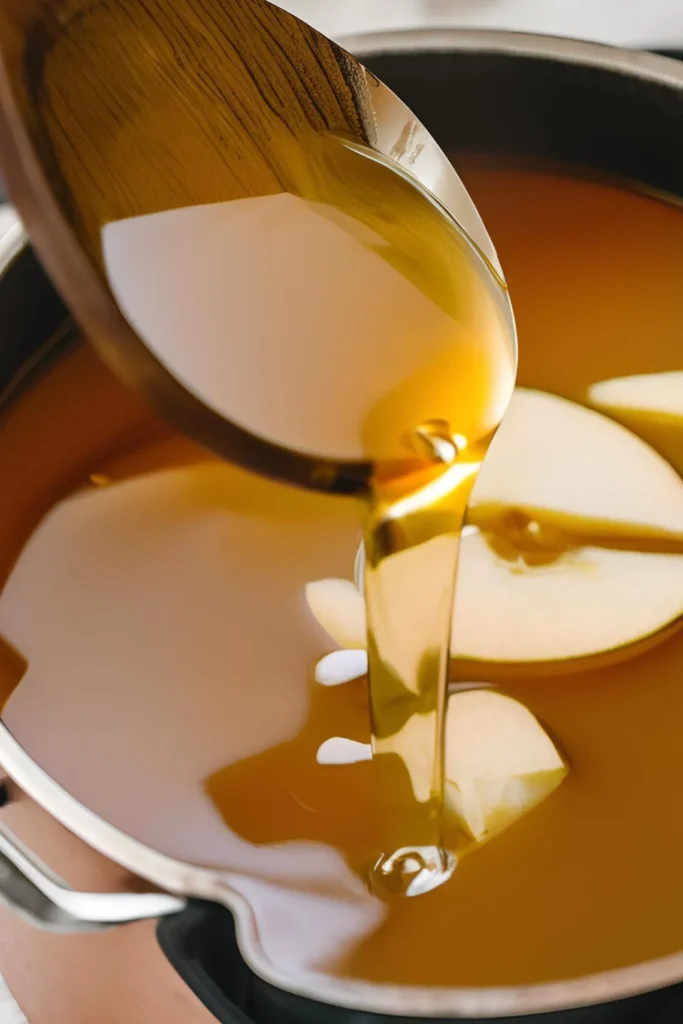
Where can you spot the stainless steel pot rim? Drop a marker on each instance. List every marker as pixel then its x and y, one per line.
pixel 638 63
pixel 13 238
pixel 184 879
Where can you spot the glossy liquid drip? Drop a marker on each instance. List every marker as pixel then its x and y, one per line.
pixel 424 471
pixel 412 542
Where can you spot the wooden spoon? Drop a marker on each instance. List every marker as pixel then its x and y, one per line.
pixel 117 109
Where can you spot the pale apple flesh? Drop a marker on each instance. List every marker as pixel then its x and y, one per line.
pixel 337 602
pixel 651 404
pixel 561 463
pixel 500 762
pixel 551 576
pixel 641 395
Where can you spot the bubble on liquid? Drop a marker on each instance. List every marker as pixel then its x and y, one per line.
pixel 412 871
pixel 436 440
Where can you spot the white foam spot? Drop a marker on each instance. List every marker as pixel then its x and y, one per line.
pixel 341 667
pixel 339 750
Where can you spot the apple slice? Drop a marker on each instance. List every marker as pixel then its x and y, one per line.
pixel 656 395
pixel 590 601
pixel 561 463
pixel 651 404
pixel 549 594
pixel 571 469
pixel 500 762
pixel 340 610
pixel 339 607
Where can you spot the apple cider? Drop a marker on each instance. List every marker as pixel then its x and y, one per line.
pixel 198 637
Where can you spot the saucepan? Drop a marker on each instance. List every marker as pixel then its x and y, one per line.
pixel 518 96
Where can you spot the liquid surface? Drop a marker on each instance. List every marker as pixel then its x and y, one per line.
pixel 224 771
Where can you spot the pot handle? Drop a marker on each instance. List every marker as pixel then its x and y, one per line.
pixel 31 889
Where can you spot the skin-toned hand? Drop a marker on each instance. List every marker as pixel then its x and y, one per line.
pixel 115 977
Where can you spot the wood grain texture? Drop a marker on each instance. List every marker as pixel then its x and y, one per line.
pixel 144 105
pixel 114 108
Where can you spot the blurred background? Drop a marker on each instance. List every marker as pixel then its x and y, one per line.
pixel 650 24
pixel 645 24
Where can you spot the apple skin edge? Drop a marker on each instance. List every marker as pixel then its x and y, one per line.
pixel 498 671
